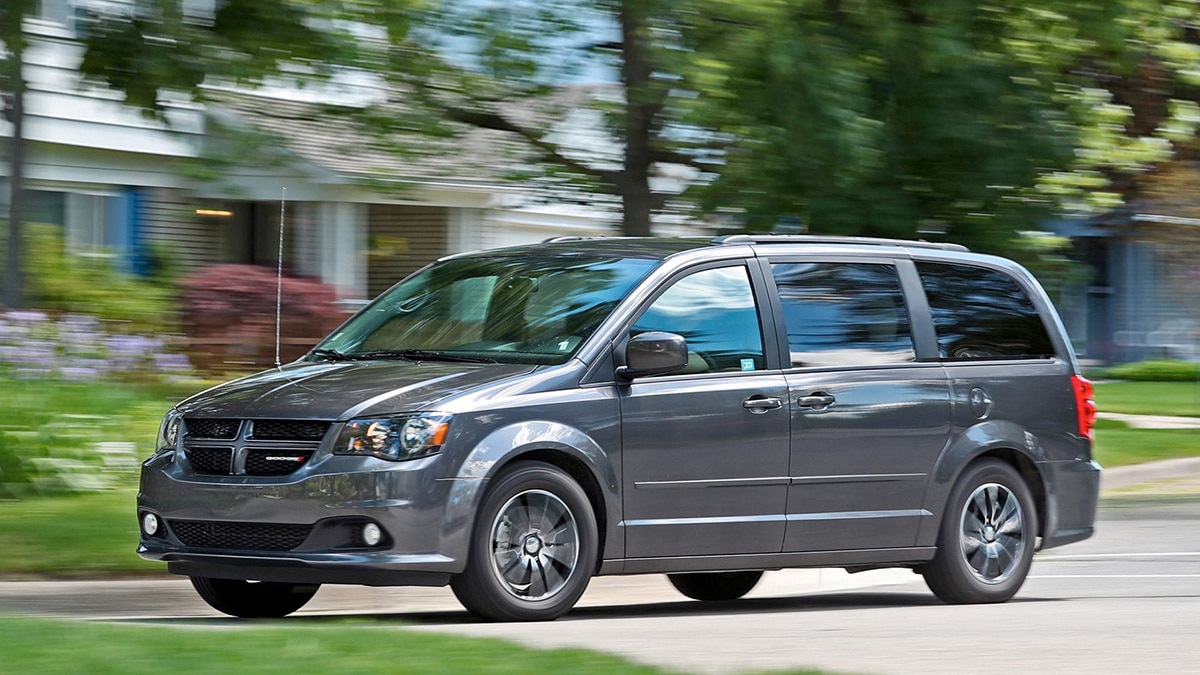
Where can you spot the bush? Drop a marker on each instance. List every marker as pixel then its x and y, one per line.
pixel 1155 371
pixel 62 282
pixel 229 310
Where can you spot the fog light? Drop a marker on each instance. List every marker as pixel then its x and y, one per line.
pixel 150 524
pixel 371 534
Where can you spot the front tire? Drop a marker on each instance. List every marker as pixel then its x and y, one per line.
pixel 253 600
pixel 715 586
pixel 987 539
pixel 533 549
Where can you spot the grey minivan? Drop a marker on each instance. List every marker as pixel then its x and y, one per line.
pixel 512 422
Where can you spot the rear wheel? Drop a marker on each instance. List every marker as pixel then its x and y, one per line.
pixel 715 586
pixel 533 549
pixel 986 543
pixel 253 599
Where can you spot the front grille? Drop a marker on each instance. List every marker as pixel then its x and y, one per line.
pixel 211 461
pixel 239 536
pixel 212 428
pixel 289 430
pixel 275 462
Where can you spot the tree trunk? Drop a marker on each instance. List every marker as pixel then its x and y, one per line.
pixel 15 42
pixel 640 110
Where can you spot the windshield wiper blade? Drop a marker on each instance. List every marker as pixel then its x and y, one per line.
pixel 330 354
pixel 422 355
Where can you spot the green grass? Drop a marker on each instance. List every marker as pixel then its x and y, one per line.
pixel 1118 445
pixel 335 646
pixel 1149 398
pixel 72 536
pixel 88 412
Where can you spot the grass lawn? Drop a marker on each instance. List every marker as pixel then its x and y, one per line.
pixel 1118 445
pixel 1149 398
pixel 288 647
pixel 69 413
pixel 70 536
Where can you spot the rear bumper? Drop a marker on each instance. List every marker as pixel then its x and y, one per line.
pixel 1074 494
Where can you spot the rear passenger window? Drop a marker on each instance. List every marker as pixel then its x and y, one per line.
pixel 982 314
pixel 843 314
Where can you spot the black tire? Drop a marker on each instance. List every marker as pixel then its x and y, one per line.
pixel 253 599
pixel 715 586
pixel 533 548
pixel 987 539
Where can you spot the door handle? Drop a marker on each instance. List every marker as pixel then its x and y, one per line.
pixel 760 405
pixel 816 401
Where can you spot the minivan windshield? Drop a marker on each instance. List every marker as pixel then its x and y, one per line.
pixel 528 308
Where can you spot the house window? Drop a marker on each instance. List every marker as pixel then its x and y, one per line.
pixel 92 224
pixel 58 11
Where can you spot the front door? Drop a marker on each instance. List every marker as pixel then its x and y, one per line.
pixel 705 451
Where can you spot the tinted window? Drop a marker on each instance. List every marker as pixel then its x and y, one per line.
pixel 982 314
pixel 714 311
pixel 843 314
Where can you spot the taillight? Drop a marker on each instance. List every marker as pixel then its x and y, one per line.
pixel 1085 405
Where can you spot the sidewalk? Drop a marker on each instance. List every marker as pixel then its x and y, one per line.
pixel 1152 421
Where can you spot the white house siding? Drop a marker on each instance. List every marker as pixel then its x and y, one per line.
pixel 168 219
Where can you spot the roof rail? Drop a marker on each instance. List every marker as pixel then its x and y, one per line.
pixel 731 239
pixel 575 237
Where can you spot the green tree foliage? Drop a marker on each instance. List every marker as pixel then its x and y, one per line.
pixel 963 119
pixel 946 118
pixel 441 68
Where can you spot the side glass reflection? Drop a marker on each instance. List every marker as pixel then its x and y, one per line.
pixel 840 314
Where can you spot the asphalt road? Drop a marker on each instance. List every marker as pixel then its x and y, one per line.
pixel 1128 600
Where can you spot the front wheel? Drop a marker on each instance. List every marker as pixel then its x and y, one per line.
pixel 715 586
pixel 253 599
pixel 986 543
pixel 533 549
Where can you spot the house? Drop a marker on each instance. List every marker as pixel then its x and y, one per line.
pixel 353 214
pixel 1142 298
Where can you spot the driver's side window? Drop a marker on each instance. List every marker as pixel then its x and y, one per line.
pixel 714 310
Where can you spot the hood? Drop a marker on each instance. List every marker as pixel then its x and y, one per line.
pixel 344 389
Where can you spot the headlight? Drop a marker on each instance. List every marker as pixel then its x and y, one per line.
pixel 168 431
pixel 394 438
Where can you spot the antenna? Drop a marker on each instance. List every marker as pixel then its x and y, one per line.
pixel 279 277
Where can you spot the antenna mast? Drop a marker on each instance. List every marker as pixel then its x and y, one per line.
pixel 279 277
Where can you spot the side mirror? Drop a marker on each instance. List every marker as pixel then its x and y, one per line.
pixel 654 353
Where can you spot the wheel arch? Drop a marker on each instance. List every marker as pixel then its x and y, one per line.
pixel 559 445
pixel 1002 441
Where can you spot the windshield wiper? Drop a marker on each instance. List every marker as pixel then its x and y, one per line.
pixel 420 355
pixel 330 354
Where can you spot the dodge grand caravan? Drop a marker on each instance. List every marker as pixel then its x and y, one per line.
pixel 513 422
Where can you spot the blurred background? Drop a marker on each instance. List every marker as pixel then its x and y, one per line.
pixel 160 155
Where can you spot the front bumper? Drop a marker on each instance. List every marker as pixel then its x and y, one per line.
pixel 306 527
